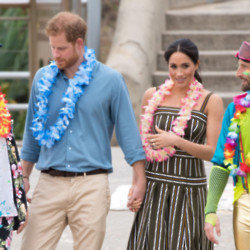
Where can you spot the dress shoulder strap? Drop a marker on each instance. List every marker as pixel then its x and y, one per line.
pixel 204 104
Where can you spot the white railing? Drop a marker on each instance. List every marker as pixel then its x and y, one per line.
pixel 14 75
pixel 17 106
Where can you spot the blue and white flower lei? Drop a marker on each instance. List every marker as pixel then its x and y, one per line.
pixel 47 137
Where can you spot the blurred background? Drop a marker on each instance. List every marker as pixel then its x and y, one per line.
pixel 127 35
pixel 26 48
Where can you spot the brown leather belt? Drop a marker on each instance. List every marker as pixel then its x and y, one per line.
pixel 54 172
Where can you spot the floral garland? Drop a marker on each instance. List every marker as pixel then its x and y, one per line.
pixel 5 117
pixel 179 124
pixel 47 137
pixel 241 103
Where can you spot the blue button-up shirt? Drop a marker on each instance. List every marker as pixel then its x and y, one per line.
pixel 85 144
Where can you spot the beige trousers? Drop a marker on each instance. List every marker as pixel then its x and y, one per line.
pixel 81 202
pixel 241 222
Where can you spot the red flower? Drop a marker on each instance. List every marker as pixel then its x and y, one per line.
pixel 229 147
pixel 244 167
pixel 240 108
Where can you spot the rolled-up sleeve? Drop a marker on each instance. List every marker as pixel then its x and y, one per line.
pixel 126 128
pixel 31 149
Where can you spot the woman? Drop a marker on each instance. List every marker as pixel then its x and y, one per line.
pixel 12 196
pixel 177 119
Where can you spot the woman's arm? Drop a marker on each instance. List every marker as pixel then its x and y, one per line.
pixel 204 152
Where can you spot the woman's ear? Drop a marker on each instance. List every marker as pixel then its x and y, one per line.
pixel 197 65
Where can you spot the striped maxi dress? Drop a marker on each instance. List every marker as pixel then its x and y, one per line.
pixel 172 214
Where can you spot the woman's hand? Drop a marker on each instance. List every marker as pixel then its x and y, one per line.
pixel 162 139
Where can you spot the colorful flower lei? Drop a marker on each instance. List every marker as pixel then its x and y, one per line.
pixel 47 137
pixel 241 103
pixel 179 124
pixel 5 117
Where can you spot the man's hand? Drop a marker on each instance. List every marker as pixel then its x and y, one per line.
pixel 135 205
pixel 27 169
pixel 22 226
pixel 136 196
pixel 209 230
pixel 138 189
pixel 26 183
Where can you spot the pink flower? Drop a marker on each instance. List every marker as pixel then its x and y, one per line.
pixel 179 124
pixel 14 171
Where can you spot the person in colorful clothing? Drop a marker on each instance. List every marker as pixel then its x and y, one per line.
pixel 13 204
pixel 75 104
pixel 179 129
pixel 232 157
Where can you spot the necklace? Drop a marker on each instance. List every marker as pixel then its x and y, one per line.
pixel 233 136
pixel 82 78
pixel 179 124
pixel 5 117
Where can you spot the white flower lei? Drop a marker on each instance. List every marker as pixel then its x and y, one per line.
pixel 179 124
pixel 83 76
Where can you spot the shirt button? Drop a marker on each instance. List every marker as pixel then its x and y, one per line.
pixel 71 131
pixel 69 148
pixel 68 166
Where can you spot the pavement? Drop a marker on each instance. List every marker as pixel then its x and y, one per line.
pixel 119 220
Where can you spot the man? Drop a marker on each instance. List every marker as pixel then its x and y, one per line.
pixel 233 155
pixel 74 105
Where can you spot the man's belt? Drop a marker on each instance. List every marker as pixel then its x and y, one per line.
pixel 54 172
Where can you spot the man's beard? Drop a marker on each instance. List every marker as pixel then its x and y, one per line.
pixel 67 63
pixel 245 86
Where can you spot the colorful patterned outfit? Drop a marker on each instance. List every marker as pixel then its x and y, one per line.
pixel 219 177
pixel 172 215
pixel 13 208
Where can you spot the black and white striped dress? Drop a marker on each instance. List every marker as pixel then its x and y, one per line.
pixel 172 215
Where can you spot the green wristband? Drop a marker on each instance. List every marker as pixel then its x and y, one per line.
pixel 211 219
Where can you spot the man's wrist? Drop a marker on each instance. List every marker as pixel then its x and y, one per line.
pixel 26 177
pixel 211 218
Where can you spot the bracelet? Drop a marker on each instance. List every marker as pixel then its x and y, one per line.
pixel 26 177
pixel 211 218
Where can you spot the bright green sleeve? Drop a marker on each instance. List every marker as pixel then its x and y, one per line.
pixel 217 182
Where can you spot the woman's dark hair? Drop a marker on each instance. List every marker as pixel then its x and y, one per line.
pixel 187 47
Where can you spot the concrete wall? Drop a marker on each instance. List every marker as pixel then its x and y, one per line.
pixel 137 40
pixel 135 43
pixel 174 4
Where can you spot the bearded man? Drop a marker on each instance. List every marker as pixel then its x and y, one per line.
pixel 232 156
pixel 75 104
